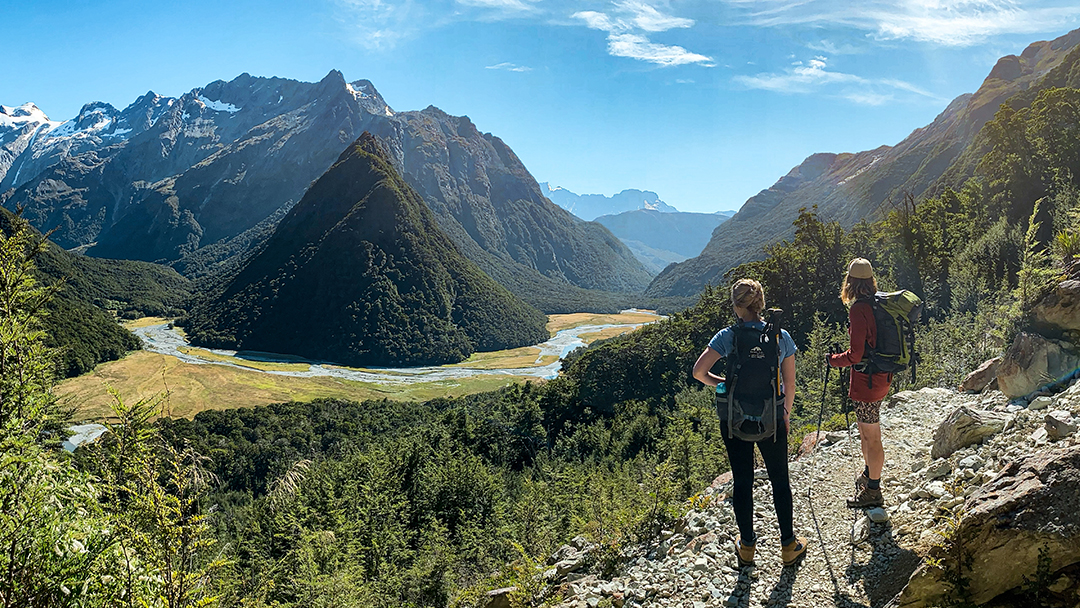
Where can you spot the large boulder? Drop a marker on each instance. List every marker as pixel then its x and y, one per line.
pixel 979 379
pixel 1034 361
pixel 1059 311
pixel 1030 505
pixel 965 427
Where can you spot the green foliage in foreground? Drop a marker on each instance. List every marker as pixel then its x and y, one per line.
pixel 125 531
pixel 385 503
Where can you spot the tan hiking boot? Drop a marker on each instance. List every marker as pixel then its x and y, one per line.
pixel 865 498
pixel 793 551
pixel 745 553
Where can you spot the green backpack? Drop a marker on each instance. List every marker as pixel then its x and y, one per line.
pixel 896 313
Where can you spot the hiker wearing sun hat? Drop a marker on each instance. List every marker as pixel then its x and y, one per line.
pixel 867 390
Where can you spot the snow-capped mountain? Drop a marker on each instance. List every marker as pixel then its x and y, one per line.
pixel 31 142
pixel 168 177
pixel 591 206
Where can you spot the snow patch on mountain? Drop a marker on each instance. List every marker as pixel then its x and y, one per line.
pixel 217 106
pixel 860 171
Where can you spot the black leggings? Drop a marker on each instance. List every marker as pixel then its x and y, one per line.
pixel 774 453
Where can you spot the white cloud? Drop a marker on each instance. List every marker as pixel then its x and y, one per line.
pixel 502 6
pixel 940 22
pixel 626 38
pixel 814 77
pixel 599 21
pixel 509 67
pixel 638 47
pixel 831 48
pixel 647 18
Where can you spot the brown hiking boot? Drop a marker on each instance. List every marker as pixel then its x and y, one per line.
pixel 861 481
pixel 745 553
pixel 793 551
pixel 865 498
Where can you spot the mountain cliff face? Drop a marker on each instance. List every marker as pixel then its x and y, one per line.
pixel 850 187
pixel 360 273
pixel 219 160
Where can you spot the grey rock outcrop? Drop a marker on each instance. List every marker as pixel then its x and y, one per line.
pixel 1034 361
pixel 1059 424
pixel 1006 522
pixel 965 427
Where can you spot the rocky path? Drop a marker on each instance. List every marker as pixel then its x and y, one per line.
pixel 852 560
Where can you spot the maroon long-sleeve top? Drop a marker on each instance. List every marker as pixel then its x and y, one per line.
pixel 863 332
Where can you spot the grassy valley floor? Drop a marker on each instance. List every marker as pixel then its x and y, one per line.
pixel 193 388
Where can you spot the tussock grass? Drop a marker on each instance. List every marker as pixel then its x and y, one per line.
pixel 557 323
pixel 195 388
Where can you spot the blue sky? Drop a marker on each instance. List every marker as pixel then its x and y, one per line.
pixel 705 102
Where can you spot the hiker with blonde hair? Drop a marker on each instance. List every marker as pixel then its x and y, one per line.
pixel 760 361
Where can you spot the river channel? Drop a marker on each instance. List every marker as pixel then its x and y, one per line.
pixel 167 341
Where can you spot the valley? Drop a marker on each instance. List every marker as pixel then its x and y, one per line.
pixel 199 379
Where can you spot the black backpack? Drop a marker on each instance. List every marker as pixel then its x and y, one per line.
pixel 896 313
pixel 753 381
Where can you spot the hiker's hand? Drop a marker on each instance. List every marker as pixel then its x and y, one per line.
pixel 787 421
pixel 828 360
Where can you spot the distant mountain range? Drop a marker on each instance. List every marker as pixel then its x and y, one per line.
pixel 360 273
pixel 851 187
pixel 195 181
pixel 661 238
pixel 592 206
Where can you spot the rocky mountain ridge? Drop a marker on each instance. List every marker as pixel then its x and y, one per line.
pixel 219 160
pixel 850 187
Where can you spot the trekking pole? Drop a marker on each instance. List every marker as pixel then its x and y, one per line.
pixel 813 471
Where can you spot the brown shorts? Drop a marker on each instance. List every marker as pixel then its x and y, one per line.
pixel 867 413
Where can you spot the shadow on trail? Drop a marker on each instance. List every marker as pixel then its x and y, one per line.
pixel 886 572
pixel 740 595
pixel 785 585
pixel 781 594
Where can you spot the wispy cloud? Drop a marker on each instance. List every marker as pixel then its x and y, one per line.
pixel 502 6
pixel 383 24
pixel 814 76
pixel 509 67
pixel 941 22
pixel 626 29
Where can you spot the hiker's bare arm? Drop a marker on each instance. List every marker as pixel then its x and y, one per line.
pixel 787 370
pixel 708 358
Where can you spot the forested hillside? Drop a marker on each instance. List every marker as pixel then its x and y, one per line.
pixel 360 273
pixel 80 321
